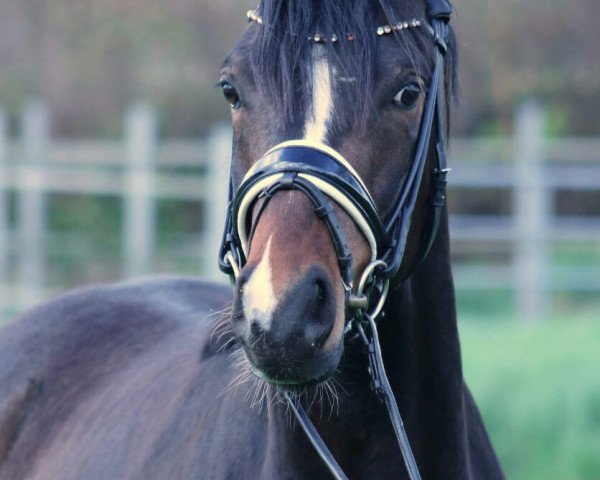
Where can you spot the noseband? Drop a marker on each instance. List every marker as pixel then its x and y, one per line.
pixel 323 175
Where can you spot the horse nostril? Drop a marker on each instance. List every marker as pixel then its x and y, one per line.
pixel 320 291
pixel 320 299
pixel 318 308
pixel 297 326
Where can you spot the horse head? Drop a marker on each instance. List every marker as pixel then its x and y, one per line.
pixel 334 86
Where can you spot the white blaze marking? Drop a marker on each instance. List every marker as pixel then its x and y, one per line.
pixel 316 121
pixel 259 297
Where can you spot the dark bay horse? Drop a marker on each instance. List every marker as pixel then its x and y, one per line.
pixel 174 378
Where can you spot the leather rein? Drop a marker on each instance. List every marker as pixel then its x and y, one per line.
pixel 323 175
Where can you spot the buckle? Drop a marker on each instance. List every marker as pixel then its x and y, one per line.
pixel 360 300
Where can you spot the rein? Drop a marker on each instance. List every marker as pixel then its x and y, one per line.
pixel 323 175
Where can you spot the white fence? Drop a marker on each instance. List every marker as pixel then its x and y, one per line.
pixel 140 170
pixel 533 169
pixel 137 169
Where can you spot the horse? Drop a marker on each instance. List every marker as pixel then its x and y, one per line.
pixel 177 378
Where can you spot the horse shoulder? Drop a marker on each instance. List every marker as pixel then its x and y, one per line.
pixel 55 356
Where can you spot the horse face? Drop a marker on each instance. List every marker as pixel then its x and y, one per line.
pixel 289 312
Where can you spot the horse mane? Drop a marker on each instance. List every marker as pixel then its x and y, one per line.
pixel 281 54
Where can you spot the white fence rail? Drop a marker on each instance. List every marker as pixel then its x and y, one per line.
pixel 534 169
pixel 140 170
pixel 137 169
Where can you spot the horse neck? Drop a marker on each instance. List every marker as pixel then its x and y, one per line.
pixel 420 343
pixel 421 352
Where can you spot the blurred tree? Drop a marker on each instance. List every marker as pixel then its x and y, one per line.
pixel 517 49
pixel 89 58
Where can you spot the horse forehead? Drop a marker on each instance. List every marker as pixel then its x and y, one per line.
pixel 317 118
pixel 326 108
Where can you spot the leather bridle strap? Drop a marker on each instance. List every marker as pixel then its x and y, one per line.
pixel 438 182
pixel 323 209
pixel 398 223
pixel 314 438
pixel 383 389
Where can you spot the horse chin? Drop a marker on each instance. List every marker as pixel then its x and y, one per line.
pixel 316 370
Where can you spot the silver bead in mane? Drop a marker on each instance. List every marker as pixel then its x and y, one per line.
pixel 253 16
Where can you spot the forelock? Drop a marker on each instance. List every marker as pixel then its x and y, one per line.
pixel 281 52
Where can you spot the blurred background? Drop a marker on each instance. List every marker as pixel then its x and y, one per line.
pixel 114 146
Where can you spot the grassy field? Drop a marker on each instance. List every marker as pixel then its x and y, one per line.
pixel 538 387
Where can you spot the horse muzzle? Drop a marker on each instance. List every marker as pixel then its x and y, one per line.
pixel 323 176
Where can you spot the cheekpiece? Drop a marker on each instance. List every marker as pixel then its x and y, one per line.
pixel 253 16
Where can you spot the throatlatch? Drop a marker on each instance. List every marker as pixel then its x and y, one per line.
pixel 324 176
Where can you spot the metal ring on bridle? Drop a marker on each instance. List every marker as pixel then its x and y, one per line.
pixel 360 289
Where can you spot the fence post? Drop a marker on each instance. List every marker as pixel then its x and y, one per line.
pixel 139 206
pixel 4 238
pixel 219 157
pixel 532 202
pixel 31 205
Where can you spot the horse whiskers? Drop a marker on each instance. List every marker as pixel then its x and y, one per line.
pixel 235 383
pixel 336 380
pixel 324 396
pixel 258 338
pixel 332 397
pixel 218 330
pixel 259 398
pixel 223 323
pixel 225 331
pixel 258 391
pixel 239 360
pixel 225 345
pixel 224 312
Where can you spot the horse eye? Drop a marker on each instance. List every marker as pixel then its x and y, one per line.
pixel 407 98
pixel 231 95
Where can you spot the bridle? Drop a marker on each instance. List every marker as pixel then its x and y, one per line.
pixel 323 174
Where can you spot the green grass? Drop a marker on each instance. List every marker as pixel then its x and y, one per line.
pixel 538 387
